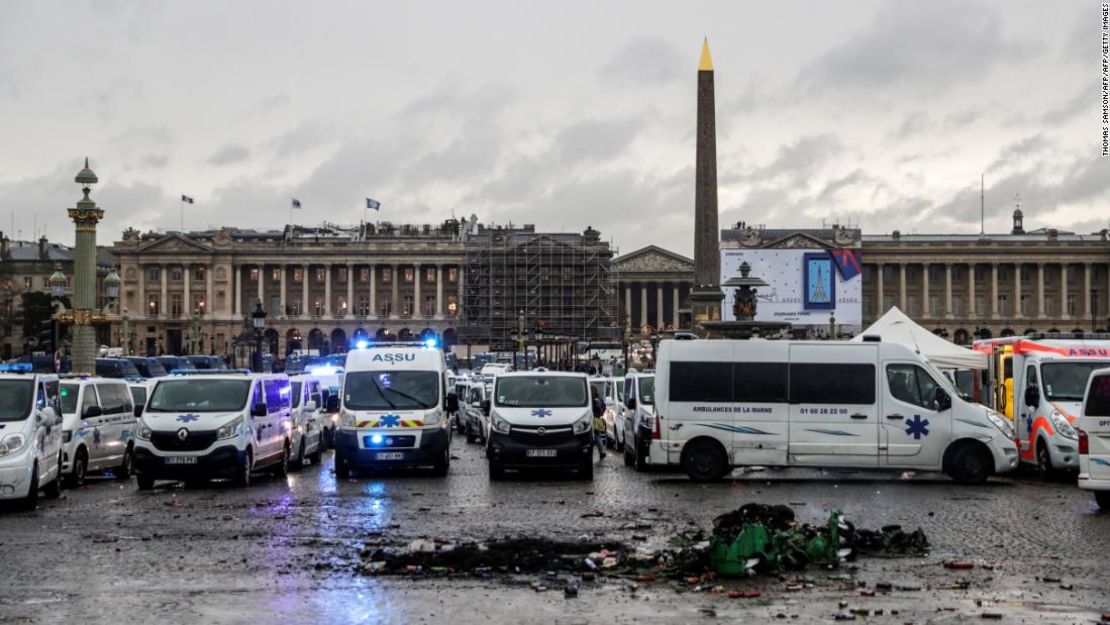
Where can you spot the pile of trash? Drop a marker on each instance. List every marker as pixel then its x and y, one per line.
pixel 753 539
pixel 760 538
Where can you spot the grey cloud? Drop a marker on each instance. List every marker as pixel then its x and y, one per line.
pixel 1017 152
pixel 305 136
pixel 228 154
pixel 646 61
pixel 857 177
pixel 913 124
pixel 802 157
pixel 1085 100
pixel 595 139
pixel 154 161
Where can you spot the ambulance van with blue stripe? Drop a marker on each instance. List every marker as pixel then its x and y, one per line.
pixel 869 405
pixel 393 410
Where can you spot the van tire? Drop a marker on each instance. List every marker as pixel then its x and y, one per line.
pixel 127 464
pixel 441 465
pixel 281 469
pixel 638 456
pixel 629 459
pixel 495 471
pixel 298 463
pixel 317 456
pixel 970 464
pixel 1102 498
pixel 53 490
pixel 703 460
pixel 1045 470
pixel 76 477
pixel 146 482
pixel 243 474
pixel 470 436
pixel 586 471
pixel 31 501
pixel 342 471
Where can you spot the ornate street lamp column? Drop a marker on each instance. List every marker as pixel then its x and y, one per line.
pixel 85 217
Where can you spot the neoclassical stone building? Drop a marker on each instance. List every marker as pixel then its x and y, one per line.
pixel 653 288
pixel 322 288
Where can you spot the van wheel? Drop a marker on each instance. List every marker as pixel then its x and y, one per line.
pixel 586 471
pixel 495 471
pixel 702 460
pixel 146 482
pixel 342 471
pixel 31 501
pixel 470 437
pixel 281 469
pixel 123 472
pixel 639 457
pixel 243 475
pixel 53 490
pixel 629 459
pixel 439 468
pixel 970 465
pixel 298 463
pixel 316 456
pixel 1044 462
pixel 80 469
pixel 1102 498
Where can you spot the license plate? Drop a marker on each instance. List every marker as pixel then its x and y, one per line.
pixel 389 455
pixel 181 460
pixel 540 453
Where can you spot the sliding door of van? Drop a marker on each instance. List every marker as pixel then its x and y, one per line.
pixel 834 411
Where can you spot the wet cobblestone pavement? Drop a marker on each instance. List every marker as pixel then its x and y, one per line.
pixel 289 548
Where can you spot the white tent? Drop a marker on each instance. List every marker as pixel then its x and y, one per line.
pixel 896 327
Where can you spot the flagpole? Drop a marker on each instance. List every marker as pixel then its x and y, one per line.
pixel 182 212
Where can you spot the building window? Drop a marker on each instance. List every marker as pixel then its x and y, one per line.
pixel 934 306
pixel 341 305
pixel 957 272
pixel 407 309
pixel 295 308
pixel 1003 272
pixel 430 275
pixel 957 305
pixel 1026 273
pixel 385 308
pixel 1073 272
pixel 1003 304
pixel 318 307
pixel 387 274
pixel 298 274
pixel 364 274
pixel 175 304
pixel 254 274
pixel 1050 305
pixel 452 274
pixel 913 306
pixel 153 273
pixel 198 274
pixel 275 274
pixel 152 305
pixel 27 282
pixel 409 275
pixel 981 305
pixel 363 305
pixel 980 273
pixel 198 303
pixel 342 273
pixel 1026 305
pixel 429 305
pixel 1073 305
pixel 452 305
pixel 934 272
pixel 176 274
pixel 889 273
pixel 321 274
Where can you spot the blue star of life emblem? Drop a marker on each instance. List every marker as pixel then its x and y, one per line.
pixel 188 418
pixel 390 421
pixel 541 413
pixel 917 427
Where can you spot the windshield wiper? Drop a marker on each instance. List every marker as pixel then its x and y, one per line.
pixel 414 400
pixel 381 393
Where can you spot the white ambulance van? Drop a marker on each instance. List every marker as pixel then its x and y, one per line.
pixel 309 419
pixel 30 435
pixel 98 428
pixel 540 419
pixel 201 425
pixel 1038 382
pixel 637 418
pixel 869 405
pixel 1094 438
pixel 393 410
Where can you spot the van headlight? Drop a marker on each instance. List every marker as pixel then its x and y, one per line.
pixel 1002 424
pixel 346 419
pixel 498 424
pixel 583 424
pixel 1060 422
pixel 142 432
pixel 12 443
pixel 229 429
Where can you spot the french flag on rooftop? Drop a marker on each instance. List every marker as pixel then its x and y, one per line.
pixel 186 199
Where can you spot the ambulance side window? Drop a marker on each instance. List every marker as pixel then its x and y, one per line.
pixel 912 384
pixel 314 390
pixel 1031 377
pixel 88 400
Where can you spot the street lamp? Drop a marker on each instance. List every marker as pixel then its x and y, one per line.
pixel 111 285
pixel 57 291
pixel 258 320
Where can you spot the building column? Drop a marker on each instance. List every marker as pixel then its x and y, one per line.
pixel 1017 291
pixel 879 295
pixel 1087 310
pixel 327 291
pixel 350 291
pixel 284 310
pixel 395 305
pixel 1064 291
pixel 971 302
pixel 659 306
pixel 674 307
pixel 373 312
pixel 164 310
pixel 208 285
pixel 1040 290
pixel 643 305
pixel 186 297
pixel 994 290
pixel 628 304
pixel 902 286
pixel 417 304
pixel 142 307
pixel 304 293
pixel 261 284
pixel 925 307
pixel 238 294
pixel 948 312
pixel 439 291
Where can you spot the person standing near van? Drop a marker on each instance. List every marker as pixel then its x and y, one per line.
pixel 597 405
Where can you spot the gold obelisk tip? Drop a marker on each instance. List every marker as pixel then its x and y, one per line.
pixel 706 64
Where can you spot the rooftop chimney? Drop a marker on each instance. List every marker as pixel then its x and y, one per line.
pixel 43 248
pixel 5 246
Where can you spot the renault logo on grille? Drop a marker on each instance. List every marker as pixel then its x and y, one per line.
pixel 182 434
pixel 541 431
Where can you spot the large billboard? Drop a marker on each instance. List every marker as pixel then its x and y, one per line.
pixel 806 285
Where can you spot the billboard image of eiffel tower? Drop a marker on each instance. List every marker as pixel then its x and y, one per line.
pixel 819 283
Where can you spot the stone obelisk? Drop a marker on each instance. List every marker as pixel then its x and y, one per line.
pixel 706 296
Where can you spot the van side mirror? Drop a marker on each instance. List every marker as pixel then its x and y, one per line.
pixel 485 407
pixel 1032 396
pixel 138 411
pixel 942 400
pixel 259 410
pixel 92 411
pixel 630 403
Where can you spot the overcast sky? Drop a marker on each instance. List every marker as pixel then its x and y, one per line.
pixel 562 114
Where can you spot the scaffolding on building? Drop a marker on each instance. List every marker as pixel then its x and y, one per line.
pixel 537 286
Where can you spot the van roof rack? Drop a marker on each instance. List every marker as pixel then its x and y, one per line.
pixel 191 372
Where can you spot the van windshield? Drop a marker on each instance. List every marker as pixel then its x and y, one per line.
pixel 296 386
pixel 15 399
pixel 1066 381
pixel 647 391
pixel 391 390
pixel 602 387
pixel 542 392
pixel 199 395
pixel 69 398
